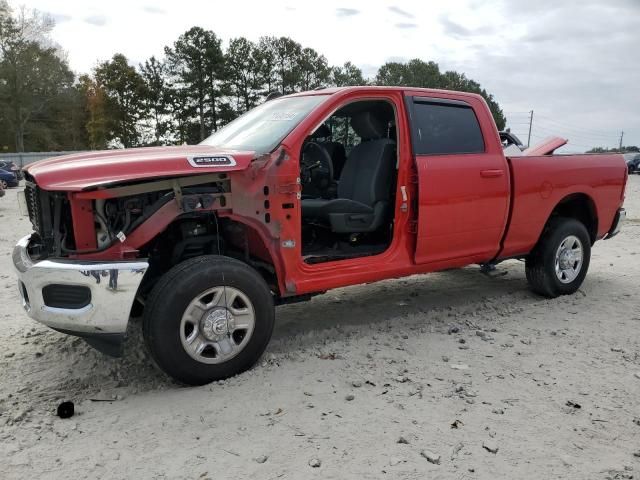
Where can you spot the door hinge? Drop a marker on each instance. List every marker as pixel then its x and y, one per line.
pixel 290 188
pixel 412 226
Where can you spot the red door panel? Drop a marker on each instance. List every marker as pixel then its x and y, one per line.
pixel 463 203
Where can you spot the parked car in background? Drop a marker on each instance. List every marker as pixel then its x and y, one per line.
pixel 9 166
pixel 8 179
pixel 633 162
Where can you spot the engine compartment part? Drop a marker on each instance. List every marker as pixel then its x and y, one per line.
pixel 50 216
pixel 115 214
pixel 116 218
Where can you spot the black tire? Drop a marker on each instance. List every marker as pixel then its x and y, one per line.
pixel 541 263
pixel 174 292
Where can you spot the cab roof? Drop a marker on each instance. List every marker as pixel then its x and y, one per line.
pixel 368 88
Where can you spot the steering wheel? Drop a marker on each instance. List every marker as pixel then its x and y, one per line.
pixel 316 167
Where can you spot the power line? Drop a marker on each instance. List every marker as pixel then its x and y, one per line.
pixel 574 127
pixel 570 143
pixel 593 141
pixel 577 131
pixel 550 130
pixel 551 126
pixel 591 138
pixel 541 133
pixel 590 132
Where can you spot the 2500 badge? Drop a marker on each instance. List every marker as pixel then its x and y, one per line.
pixel 212 161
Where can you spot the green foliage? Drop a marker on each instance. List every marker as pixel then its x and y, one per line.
pixel 287 67
pixel 36 87
pixel 156 97
pixel 624 149
pixel 95 112
pixel 417 73
pixel 347 76
pixel 312 70
pixel 243 73
pixel 124 90
pixel 196 66
pixel 286 55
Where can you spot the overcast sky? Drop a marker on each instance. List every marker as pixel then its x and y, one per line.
pixel 576 63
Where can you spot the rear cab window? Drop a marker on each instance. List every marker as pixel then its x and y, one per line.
pixel 444 127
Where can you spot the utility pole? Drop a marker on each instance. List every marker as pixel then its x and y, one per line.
pixel 621 137
pixel 530 125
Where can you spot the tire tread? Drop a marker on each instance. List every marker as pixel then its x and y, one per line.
pixel 168 281
pixel 540 278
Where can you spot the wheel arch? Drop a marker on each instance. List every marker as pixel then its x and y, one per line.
pixel 258 252
pixel 240 240
pixel 578 206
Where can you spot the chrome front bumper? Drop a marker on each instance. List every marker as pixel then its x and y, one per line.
pixel 112 286
pixel 619 219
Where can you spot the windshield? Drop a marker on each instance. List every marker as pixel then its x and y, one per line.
pixel 264 127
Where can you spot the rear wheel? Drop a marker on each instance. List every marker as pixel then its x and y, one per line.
pixel 4 184
pixel 207 319
pixel 559 263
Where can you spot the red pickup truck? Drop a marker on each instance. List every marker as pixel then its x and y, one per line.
pixel 305 193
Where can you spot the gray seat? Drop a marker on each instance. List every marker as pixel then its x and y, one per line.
pixel 365 185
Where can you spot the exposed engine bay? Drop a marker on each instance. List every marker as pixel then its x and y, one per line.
pixel 119 216
pixel 115 218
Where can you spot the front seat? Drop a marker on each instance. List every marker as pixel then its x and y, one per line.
pixel 365 185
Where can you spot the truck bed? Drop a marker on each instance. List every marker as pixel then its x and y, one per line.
pixel 540 183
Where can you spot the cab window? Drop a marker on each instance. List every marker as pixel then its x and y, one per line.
pixel 445 127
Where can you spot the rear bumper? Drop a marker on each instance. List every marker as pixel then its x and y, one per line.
pixel 618 220
pixel 88 299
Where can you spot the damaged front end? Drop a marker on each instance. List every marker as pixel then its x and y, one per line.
pixel 89 299
pixel 81 269
pixel 96 253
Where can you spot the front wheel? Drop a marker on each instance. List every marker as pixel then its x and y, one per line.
pixel 207 319
pixel 559 263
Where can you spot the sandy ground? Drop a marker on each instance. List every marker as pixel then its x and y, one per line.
pixel 367 381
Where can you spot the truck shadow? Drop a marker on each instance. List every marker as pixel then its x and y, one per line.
pixel 423 301
pixel 390 299
pixel 309 324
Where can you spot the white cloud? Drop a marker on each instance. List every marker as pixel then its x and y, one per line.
pixel 154 9
pixel 97 20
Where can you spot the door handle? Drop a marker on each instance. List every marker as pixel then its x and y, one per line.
pixel 491 173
